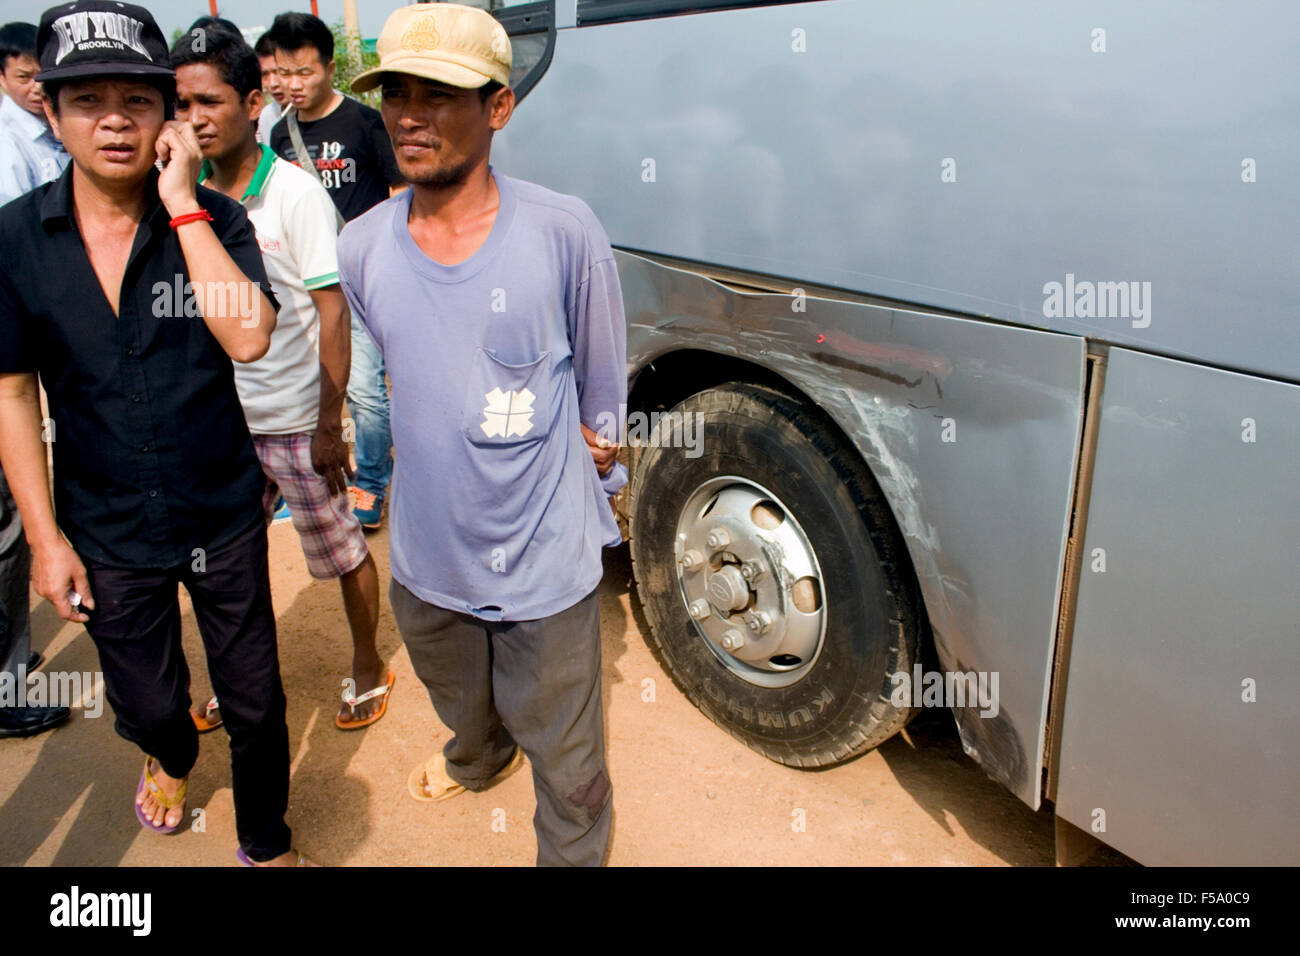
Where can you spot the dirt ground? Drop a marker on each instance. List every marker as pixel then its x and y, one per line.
pixel 685 792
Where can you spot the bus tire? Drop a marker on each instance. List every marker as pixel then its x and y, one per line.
pixel 833 703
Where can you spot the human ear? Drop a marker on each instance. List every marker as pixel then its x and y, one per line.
pixel 502 104
pixel 51 116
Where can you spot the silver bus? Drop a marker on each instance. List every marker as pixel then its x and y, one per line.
pixel 964 370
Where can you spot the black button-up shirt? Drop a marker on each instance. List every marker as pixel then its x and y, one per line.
pixel 152 457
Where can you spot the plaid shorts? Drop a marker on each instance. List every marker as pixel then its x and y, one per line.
pixel 332 539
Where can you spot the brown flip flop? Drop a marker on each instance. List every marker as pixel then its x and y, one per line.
pixel 209 718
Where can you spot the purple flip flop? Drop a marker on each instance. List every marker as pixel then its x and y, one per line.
pixel 243 859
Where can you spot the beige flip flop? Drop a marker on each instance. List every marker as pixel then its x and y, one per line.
pixel 432 775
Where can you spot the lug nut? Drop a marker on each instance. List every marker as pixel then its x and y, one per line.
pixel 751 571
pixel 718 538
pixel 733 639
pixel 699 609
pixel 691 560
pixel 764 621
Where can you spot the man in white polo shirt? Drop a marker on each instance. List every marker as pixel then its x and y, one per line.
pixel 293 396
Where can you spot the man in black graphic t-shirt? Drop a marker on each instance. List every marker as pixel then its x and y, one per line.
pixel 351 151
pixel 346 139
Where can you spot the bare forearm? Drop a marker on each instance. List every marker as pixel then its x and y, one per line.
pixel 57 572
pixel 235 309
pixel 237 313
pixel 22 455
pixel 329 452
pixel 335 353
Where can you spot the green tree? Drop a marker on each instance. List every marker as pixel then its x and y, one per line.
pixel 346 65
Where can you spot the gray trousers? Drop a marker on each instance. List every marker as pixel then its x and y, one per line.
pixel 15 575
pixel 15 625
pixel 535 683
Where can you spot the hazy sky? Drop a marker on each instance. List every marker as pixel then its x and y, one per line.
pixel 177 14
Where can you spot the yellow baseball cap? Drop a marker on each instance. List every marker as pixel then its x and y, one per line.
pixel 447 42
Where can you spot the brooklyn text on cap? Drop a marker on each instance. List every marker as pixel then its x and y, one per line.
pixel 447 42
pixel 100 38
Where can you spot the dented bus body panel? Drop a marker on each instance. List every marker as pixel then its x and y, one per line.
pixel 971 431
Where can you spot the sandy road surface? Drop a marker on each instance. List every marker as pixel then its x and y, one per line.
pixel 685 792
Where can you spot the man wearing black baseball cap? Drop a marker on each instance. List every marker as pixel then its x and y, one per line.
pixel 129 291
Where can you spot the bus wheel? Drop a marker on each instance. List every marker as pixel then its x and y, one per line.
pixel 777 588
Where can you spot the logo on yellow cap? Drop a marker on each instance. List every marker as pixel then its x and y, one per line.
pixel 422 35
pixel 500 46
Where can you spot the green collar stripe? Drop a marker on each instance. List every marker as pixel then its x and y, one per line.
pixel 259 175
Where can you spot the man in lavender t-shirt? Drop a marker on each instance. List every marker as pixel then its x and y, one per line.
pixel 497 308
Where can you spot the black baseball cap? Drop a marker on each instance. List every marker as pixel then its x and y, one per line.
pixel 100 38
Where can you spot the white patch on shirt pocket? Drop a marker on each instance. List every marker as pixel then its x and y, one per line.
pixel 507 404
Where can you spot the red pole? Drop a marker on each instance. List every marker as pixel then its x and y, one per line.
pixel 212 5
pixel 315 10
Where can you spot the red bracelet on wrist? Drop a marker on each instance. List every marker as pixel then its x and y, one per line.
pixel 201 216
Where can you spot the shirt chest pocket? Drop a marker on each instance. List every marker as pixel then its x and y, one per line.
pixel 507 404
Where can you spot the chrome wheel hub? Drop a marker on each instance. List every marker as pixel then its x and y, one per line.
pixel 749 579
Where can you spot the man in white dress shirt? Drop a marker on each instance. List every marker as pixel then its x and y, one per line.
pixel 29 152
